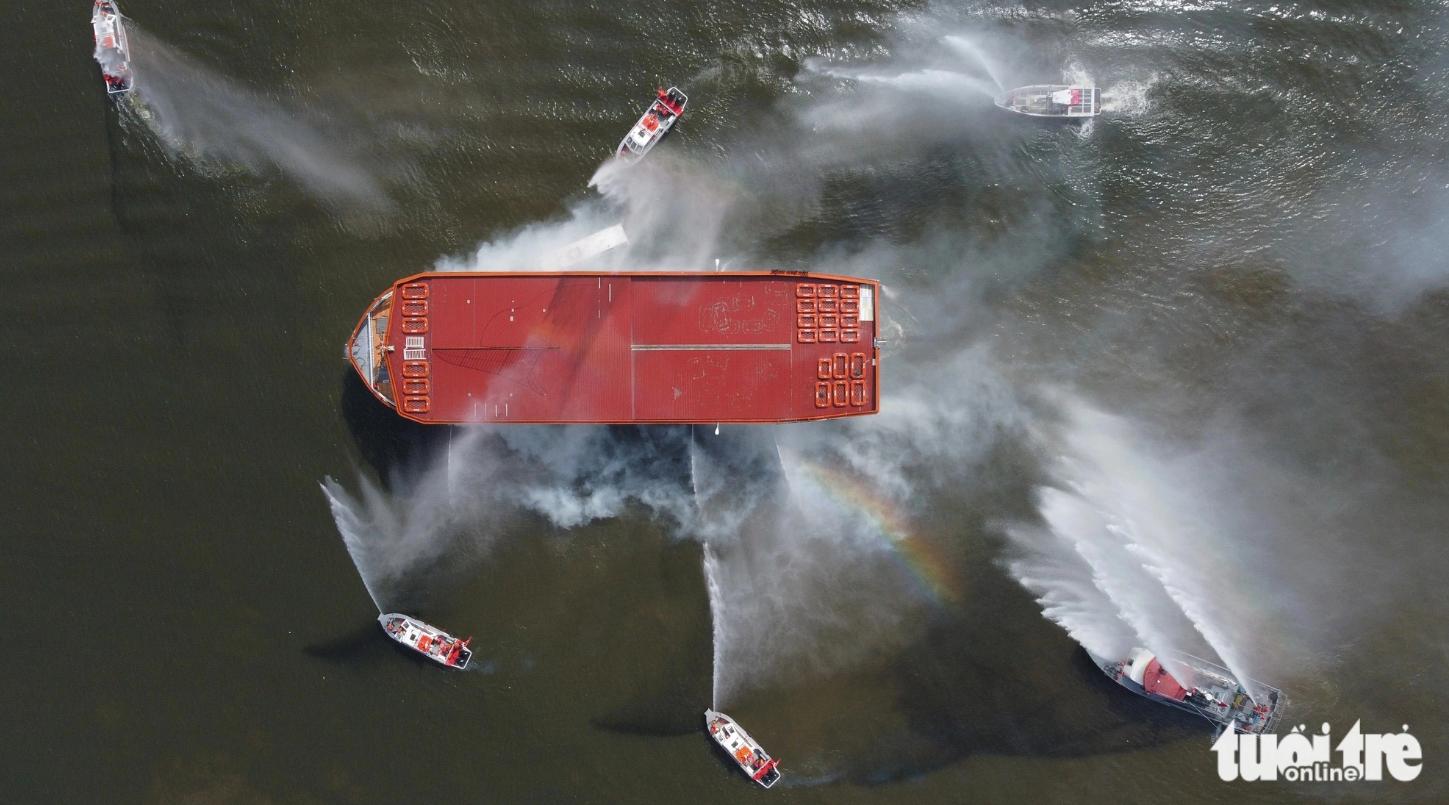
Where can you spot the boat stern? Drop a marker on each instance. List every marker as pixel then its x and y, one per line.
pixel 677 100
pixel 770 775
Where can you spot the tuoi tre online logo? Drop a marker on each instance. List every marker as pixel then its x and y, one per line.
pixel 1297 757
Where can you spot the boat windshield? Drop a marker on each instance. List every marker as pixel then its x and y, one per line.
pixel 369 348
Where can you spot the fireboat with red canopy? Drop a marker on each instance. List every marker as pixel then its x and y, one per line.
pixel 745 751
pixel 656 122
pixel 622 348
pixel 429 641
pixel 1198 686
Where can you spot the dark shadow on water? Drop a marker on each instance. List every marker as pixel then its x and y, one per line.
pixel 670 671
pixel 390 444
pixel 358 646
pixel 677 711
pixel 997 678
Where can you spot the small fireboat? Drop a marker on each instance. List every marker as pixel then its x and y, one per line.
pixel 658 119
pixel 1200 687
pixel 745 751
pixel 429 641
pixel 1053 101
pixel 113 52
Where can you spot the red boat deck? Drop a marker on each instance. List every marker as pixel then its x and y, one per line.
pixel 1157 680
pixel 622 348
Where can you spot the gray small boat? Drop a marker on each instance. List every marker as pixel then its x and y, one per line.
pixel 1053 101
pixel 1198 686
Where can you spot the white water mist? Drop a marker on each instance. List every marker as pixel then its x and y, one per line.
pixel 210 119
pixel 1130 554
pixel 971 50
pixel 718 622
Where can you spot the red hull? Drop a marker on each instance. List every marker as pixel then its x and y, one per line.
pixel 625 348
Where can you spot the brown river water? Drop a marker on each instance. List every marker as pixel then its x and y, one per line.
pixel 1178 377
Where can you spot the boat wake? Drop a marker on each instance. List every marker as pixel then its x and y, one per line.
pixel 1127 98
pixel 215 122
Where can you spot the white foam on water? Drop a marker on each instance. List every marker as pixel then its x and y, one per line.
pixel 1077 74
pixel 1127 98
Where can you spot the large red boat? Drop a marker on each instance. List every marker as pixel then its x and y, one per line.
pixel 620 348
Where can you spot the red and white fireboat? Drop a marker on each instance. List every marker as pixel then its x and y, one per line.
pixel 429 641
pixel 1198 686
pixel 113 52
pixel 745 751
pixel 658 119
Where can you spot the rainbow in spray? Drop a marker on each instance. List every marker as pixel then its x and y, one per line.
pixel 924 560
